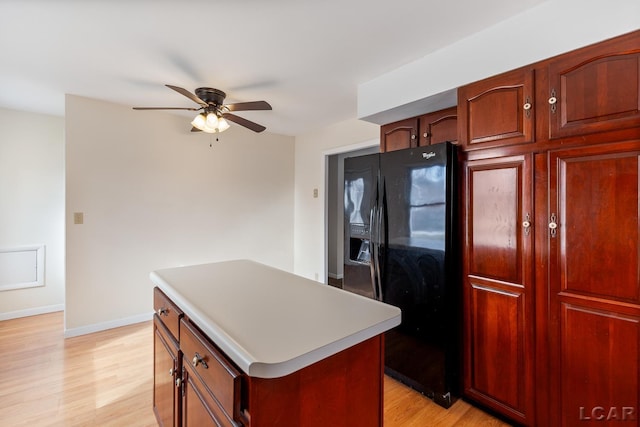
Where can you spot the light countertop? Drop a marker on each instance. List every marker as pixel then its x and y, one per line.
pixel 270 322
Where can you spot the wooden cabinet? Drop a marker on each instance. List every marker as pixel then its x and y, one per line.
pixel 551 229
pixel 165 373
pixel 167 361
pixel 197 385
pixel 498 111
pixel 428 129
pixel 593 89
pixel 594 283
pixel 498 286
pixel 437 127
pixel 212 384
pixel 399 135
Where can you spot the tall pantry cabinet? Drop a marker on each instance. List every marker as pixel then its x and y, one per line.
pixel 551 238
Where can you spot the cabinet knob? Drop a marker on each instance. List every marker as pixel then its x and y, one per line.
pixel 553 225
pixel 526 224
pixel 163 311
pixel 178 382
pixel 413 137
pixel 171 372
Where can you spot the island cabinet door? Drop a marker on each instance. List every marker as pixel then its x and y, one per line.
pixel 166 402
pixel 594 285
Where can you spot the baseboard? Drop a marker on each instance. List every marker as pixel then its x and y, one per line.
pixel 97 327
pixel 31 312
pixel 334 276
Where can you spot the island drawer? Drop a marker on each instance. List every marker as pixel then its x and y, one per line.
pixel 217 373
pixel 168 312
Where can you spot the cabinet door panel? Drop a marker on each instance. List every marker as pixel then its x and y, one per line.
pixel 440 126
pixel 496 212
pixel 597 88
pixel 498 346
pixel 497 111
pixel 399 135
pixel 196 411
pixel 594 282
pixel 164 367
pixel 600 219
pixel 498 290
pixel 599 366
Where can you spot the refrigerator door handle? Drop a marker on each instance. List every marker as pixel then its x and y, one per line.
pixel 372 249
pixel 378 283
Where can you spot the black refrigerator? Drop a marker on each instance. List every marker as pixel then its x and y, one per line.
pixel 400 248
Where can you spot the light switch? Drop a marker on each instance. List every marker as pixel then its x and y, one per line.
pixel 78 218
pixel 315 193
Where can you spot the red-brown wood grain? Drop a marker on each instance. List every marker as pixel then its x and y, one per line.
pixel 594 283
pixel 342 390
pixel 597 88
pixel 165 394
pixel 399 135
pixel 497 111
pixel 439 126
pixel 498 289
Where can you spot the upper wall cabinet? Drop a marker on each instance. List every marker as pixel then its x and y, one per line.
pixel 399 135
pixel 594 89
pixel 440 126
pixel 497 111
pixel 428 129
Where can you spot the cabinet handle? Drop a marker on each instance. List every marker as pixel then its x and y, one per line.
pixel 163 311
pixel 198 360
pixel 526 224
pixel 527 107
pixel 553 101
pixel 553 225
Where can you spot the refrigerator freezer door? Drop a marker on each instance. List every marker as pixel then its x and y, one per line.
pixel 360 187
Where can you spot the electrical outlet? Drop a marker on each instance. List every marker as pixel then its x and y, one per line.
pixel 78 218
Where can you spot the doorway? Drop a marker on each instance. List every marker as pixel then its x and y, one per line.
pixel 334 207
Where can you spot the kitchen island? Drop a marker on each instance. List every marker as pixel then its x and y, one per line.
pixel 248 344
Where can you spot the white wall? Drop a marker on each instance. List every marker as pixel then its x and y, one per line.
pixel 552 28
pixel 32 204
pixel 155 195
pixel 312 150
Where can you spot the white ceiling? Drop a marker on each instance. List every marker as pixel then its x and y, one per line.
pixel 305 57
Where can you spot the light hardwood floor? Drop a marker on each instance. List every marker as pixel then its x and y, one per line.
pixel 106 379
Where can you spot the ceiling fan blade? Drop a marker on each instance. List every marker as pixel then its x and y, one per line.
pixel 245 106
pixel 244 122
pixel 166 108
pixel 188 94
pixel 195 129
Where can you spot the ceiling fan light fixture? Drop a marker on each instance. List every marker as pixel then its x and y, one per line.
pixel 211 121
pixel 199 122
pixel 222 124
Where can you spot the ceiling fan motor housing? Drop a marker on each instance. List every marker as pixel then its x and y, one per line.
pixel 210 95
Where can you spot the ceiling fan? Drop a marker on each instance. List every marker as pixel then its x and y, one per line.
pixel 214 112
